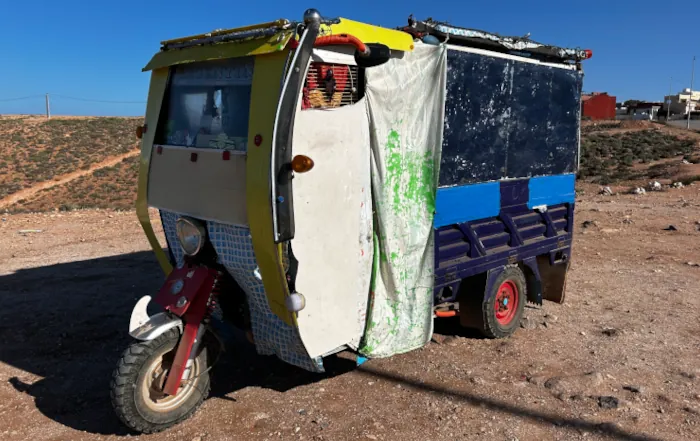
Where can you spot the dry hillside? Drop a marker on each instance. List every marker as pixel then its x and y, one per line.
pixel 70 163
pixel 36 153
pixel 615 151
pixel 109 187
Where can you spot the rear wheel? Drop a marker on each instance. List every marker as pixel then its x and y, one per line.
pixel 497 313
pixel 137 385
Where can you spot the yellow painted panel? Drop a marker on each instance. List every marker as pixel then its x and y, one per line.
pixel 156 92
pixel 267 78
pixel 396 40
pixel 220 51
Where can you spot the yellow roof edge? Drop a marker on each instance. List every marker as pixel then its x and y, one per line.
pixel 367 33
pixel 219 51
pixel 277 23
pixel 396 40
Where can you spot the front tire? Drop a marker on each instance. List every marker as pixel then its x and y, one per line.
pixel 138 380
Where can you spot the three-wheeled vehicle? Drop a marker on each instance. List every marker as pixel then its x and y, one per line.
pixel 328 185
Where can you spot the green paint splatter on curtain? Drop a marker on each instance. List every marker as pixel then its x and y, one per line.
pixel 410 180
pixel 408 189
pixel 410 176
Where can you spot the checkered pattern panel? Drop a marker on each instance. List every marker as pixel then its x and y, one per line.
pixel 168 219
pixel 234 248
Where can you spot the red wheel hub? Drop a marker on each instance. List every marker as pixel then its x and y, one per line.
pixel 506 304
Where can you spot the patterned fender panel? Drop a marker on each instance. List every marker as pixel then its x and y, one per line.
pixel 234 248
pixel 168 219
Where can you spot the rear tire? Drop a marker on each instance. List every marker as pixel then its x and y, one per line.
pixel 497 313
pixel 138 379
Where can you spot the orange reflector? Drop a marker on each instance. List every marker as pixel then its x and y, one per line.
pixel 139 132
pixel 302 164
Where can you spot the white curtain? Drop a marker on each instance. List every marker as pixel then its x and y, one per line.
pixel 406 105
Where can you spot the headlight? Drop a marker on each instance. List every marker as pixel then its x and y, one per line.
pixel 191 234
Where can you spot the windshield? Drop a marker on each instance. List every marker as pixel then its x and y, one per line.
pixel 207 105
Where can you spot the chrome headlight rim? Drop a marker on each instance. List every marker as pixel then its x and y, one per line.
pixel 188 228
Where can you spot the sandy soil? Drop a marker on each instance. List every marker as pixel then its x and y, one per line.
pixel 619 360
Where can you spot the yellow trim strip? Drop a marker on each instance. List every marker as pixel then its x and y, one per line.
pixel 396 40
pixel 270 24
pixel 156 92
pixel 267 77
pixel 220 51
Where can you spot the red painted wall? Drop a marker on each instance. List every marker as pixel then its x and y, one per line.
pixel 599 107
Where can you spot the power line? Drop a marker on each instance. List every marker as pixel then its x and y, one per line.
pixel 3 100
pixel 96 101
pixel 21 98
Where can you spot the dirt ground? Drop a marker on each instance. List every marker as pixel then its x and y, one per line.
pixel 619 360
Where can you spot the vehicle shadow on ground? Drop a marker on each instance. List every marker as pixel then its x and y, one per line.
pixel 67 324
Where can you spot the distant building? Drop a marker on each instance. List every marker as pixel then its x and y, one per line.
pixel 683 102
pixel 645 110
pixel 598 105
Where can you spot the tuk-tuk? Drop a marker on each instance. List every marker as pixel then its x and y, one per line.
pixel 328 185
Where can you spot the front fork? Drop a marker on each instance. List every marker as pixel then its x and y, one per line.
pixel 186 297
pixel 194 351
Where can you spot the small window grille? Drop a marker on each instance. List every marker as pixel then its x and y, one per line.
pixel 330 85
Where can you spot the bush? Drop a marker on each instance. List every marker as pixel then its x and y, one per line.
pixel 689 179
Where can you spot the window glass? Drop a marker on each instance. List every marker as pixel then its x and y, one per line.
pixel 208 104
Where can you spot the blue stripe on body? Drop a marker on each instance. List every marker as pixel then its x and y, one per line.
pixel 465 203
pixel 552 190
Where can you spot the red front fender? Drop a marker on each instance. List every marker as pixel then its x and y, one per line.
pixel 186 293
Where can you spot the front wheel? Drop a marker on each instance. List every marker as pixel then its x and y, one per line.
pixel 137 385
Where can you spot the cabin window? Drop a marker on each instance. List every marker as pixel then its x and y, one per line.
pixel 330 85
pixel 207 105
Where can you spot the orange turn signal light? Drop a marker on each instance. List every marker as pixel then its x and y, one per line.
pixel 302 164
pixel 139 132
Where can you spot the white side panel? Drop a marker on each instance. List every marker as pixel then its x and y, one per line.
pixel 333 221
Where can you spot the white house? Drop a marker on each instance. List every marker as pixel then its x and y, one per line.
pixel 684 102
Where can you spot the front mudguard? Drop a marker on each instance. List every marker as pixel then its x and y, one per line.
pixel 144 327
pixel 185 297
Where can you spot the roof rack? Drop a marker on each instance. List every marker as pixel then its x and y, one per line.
pixel 245 33
pixel 523 46
pixel 225 35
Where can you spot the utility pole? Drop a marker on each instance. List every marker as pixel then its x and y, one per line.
pixel 48 109
pixel 690 99
pixel 668 103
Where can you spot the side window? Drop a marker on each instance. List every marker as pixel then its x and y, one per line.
pixel 331 85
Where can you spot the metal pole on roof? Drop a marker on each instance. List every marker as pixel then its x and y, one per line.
pixel 48 109
pixel 690 98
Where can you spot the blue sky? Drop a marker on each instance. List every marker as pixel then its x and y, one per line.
pixel 96 49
